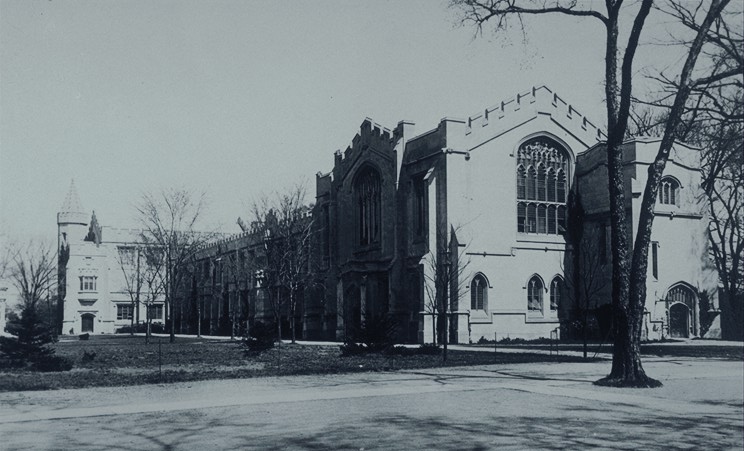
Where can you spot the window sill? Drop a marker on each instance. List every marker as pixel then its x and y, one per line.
pixel 674 212
pixel 523 237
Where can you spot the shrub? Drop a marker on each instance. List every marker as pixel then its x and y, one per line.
pixel 261 338
pixel 350 349
pixel 88 356
pixel 29 343
pixel 377 333
pixel 53 363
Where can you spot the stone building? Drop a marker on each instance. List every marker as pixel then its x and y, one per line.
pixel 476 208
pixel 474 217
pixel 97 270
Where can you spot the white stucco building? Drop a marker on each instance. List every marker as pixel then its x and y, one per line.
pixel 100 272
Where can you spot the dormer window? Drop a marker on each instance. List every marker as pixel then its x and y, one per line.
pixel 669 191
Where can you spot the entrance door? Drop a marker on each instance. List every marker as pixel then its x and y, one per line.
pixel 87 320
pixel 679 316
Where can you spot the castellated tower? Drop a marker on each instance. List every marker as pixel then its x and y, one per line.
pixel 72 222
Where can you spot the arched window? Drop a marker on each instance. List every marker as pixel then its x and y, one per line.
pixel 367 197
pixel 556 289
pixel 535 294
pixel 668 191
pixel 479 293
pixel 542 174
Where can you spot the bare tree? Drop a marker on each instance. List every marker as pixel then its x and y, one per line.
pixel 129 259
pixel 628 267
pixel 239 269
pixel 285 223
pixel 152 277
pixel 169 221
pixel 713 119
pixel 32 271
pixel 445 284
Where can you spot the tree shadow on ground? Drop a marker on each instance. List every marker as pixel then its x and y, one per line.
pixel 577 428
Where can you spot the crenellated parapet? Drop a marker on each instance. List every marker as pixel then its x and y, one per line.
pixel 372 137
pixel 541 100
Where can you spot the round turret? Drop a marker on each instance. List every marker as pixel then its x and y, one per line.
pixel 72 222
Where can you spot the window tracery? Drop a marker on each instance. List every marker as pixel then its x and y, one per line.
pixel 542 168
pixel 367 197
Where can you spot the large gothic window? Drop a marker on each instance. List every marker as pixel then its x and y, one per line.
pixel 367 198
pixel 479 293
pixel 542 174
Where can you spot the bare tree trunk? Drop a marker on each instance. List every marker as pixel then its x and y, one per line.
pixel 277 306
pixel 131 319
pixel 199 311
pixel 434 328
pixel 292 312
pixel 147 320
pixel 231 311
pixel 584 327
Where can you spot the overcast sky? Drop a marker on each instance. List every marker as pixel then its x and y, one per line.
pixel 241 97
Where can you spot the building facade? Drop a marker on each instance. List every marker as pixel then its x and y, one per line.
pixel 500 221
pixel 99 271
pixel 476 211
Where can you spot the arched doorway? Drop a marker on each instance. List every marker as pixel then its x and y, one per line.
pixel 87 322
pixel 679 321
pixel 682 308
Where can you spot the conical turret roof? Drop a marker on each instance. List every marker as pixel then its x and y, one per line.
pixel 72 210
pixel 72 201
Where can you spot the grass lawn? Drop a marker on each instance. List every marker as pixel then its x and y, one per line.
pixel 116 360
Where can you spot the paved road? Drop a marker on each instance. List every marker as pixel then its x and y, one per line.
pixel 529 406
